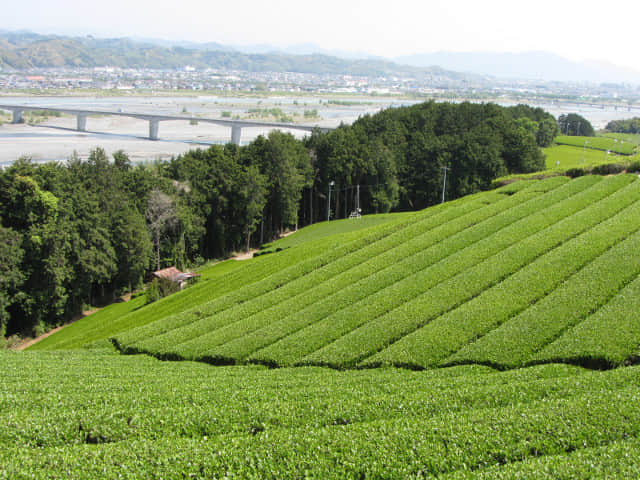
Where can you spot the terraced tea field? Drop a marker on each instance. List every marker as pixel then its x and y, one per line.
pixel 506 278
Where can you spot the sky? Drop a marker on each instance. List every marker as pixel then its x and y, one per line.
pixel 579 31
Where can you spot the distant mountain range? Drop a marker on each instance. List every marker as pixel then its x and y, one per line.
pixel 23 50
pixel 535 65
pixel 527 65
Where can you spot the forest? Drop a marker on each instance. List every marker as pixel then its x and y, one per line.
pixel 85 231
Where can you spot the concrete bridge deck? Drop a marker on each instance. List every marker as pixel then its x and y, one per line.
pixel 154 120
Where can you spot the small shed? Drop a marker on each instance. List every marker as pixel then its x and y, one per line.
pixel 174 275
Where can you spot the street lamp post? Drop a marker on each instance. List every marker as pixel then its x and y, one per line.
pixel 444 182
pixel 331 184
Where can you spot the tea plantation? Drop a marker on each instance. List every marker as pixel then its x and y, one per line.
pixel 512 314
pixel 507 278
pixel 101 415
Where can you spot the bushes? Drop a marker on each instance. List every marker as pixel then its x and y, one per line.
pixel 634 167
pixel 88 415
pixel 160 288
pixel 575 172
pixel 608 169
pixel 453 275
pixel 449 293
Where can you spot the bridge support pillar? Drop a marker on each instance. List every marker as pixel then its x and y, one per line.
pixel 236 134
pixel 17 117
pixel 81 123
pixel 153 129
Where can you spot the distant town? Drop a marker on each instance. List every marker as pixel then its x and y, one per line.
pixel 118 80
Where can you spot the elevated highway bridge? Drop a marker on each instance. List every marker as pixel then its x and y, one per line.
pixel 154 120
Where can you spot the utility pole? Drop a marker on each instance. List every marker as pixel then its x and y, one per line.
pixel 331 184
pixel 584 149
pixel 444 182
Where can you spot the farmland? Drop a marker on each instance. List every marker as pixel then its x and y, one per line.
pixel 102 415
pixel 495 336
pixel 564 157
pixel 623 144
pixel 453 284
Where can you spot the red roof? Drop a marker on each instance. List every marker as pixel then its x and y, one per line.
pixel 175 275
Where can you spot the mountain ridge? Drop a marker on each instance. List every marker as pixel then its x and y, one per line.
pixel 27 50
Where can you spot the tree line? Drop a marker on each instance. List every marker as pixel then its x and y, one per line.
pixel 631 125
pixel 84 231
pixel 575 125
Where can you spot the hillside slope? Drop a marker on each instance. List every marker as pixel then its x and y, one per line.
pixel 533 272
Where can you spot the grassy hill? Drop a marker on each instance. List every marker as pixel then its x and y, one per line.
pixel 537 274
pixel 623 144
pixel 216 280
pixel 534 272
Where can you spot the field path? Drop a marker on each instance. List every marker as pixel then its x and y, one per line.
pixel 30 341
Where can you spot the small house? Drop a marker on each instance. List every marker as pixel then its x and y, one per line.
pixel 174 275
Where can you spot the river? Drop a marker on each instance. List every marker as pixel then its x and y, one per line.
pixel 56 138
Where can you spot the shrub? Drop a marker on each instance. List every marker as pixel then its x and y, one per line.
pixel 608 169
pixel 160 288
pixel 634 167
pixel 575 172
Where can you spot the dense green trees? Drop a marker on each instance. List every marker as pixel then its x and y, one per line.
pixel 631 125
pixel 82 232
pixel 537 121
pixel 398 155
pixel 11 277
pixel 77 237
pixel 575 125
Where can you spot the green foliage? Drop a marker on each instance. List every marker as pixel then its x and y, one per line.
pixel 562 157
pixel 415 291
pixel 538 122
pixel 631 125
pixel 585 291
pixel 159 288
pixel 120 316
pixel 519 291
pixel 11 276
pixel 140 418
pixel 627 137
pixel 573 124
pixel 82 236
pixel 284 163
pixel 398 155
pixel 605 337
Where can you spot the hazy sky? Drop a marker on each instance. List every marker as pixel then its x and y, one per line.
pixel 578 30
